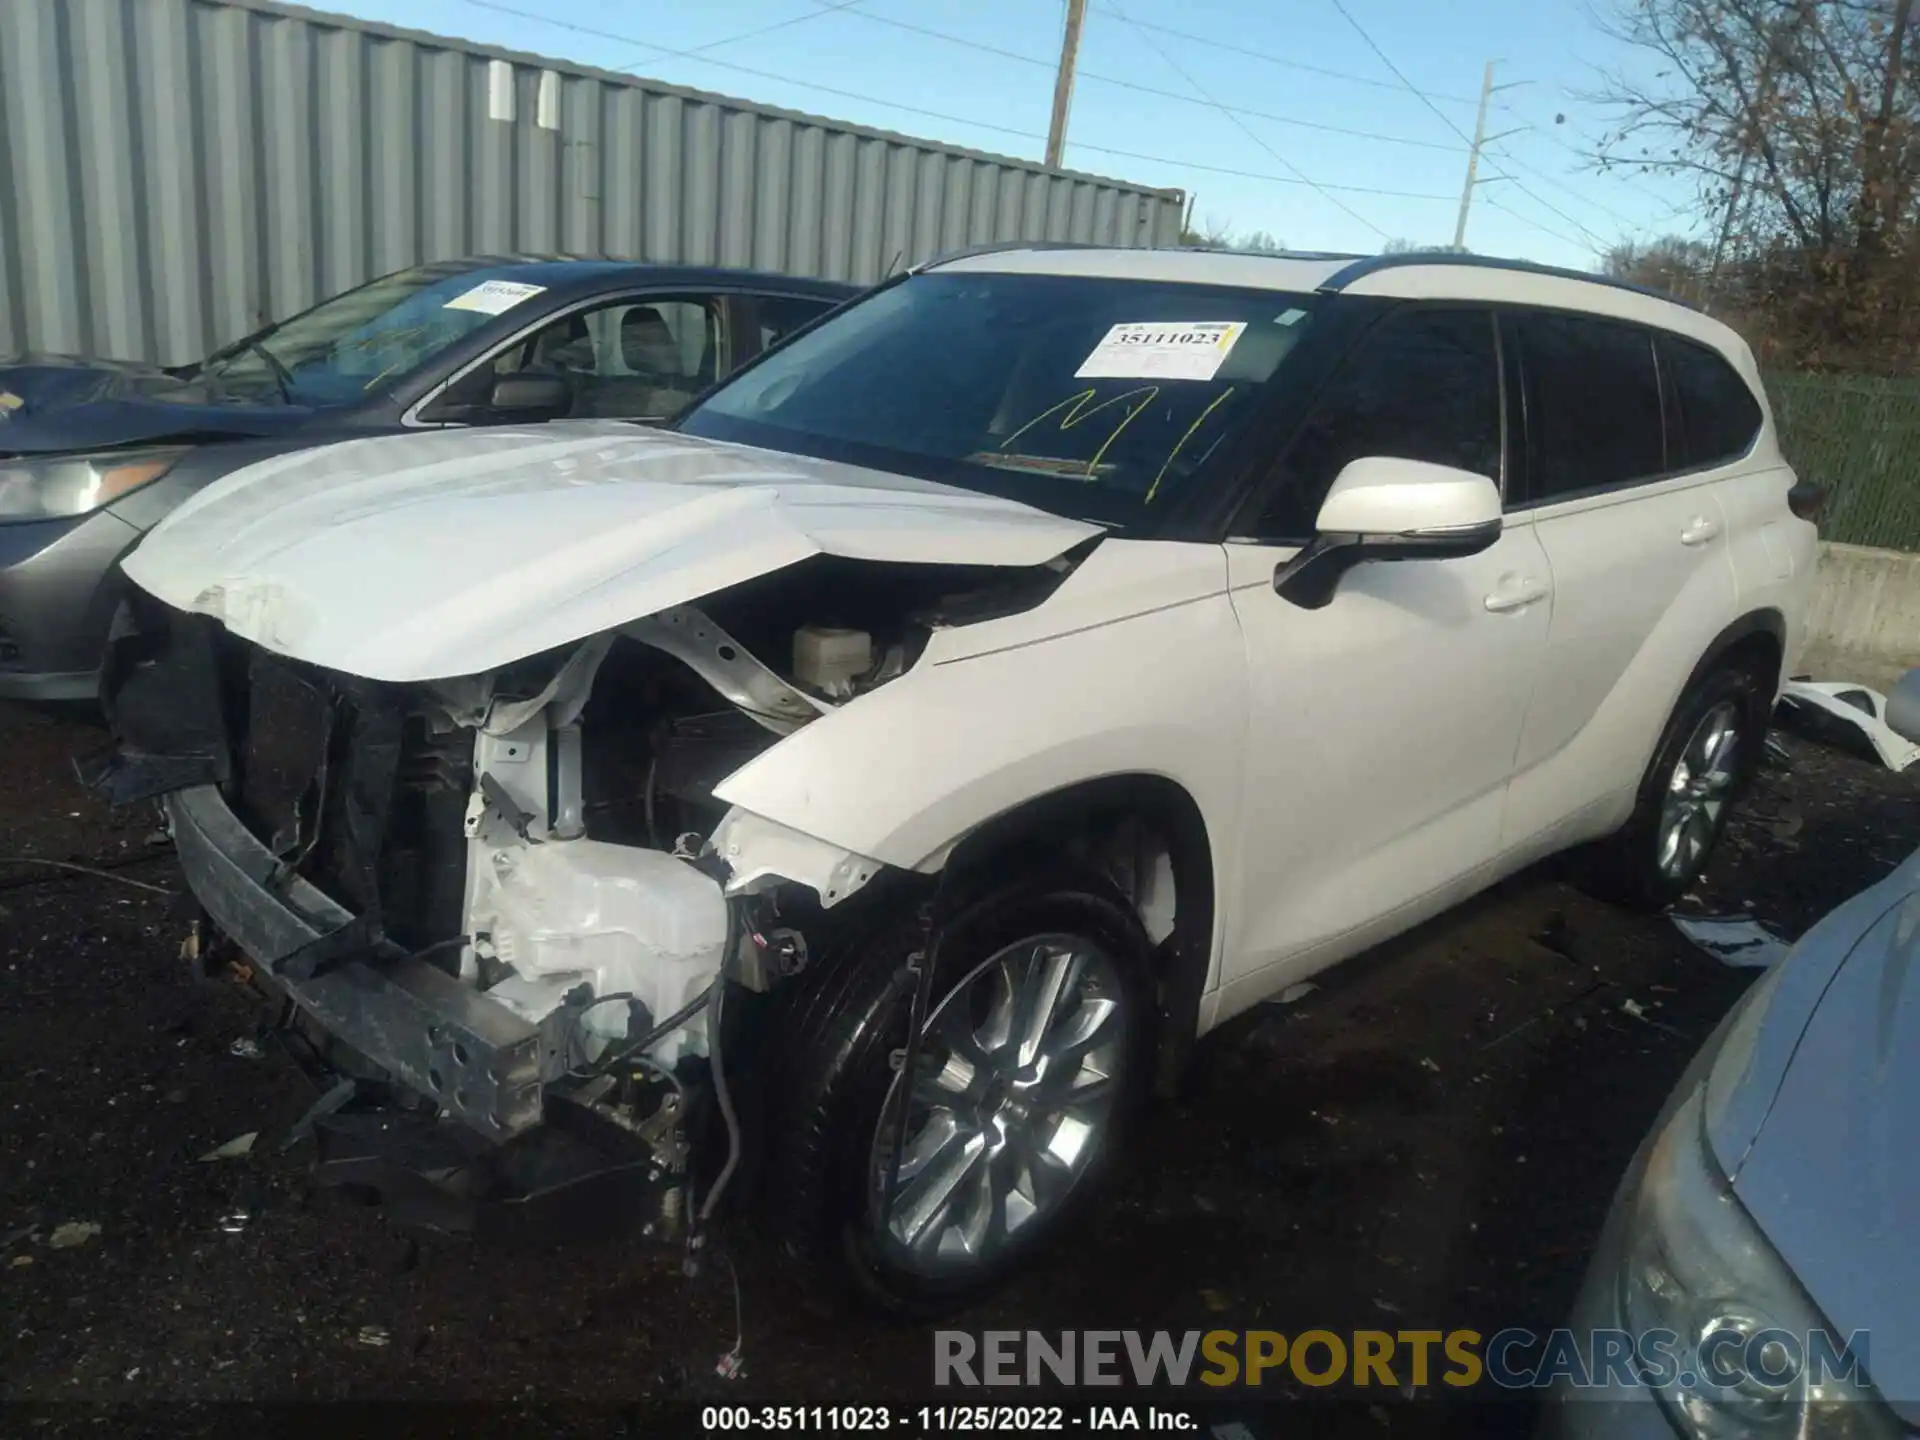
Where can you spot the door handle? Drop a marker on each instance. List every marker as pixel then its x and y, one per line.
pixel 1517 596
pixel 1699 531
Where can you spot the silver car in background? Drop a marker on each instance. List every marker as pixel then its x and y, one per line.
pixel 1774 1212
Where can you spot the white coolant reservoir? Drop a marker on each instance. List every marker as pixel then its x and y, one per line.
pixel 830 660
pixel 618 918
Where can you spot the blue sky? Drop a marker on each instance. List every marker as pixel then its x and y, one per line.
pixel 871 62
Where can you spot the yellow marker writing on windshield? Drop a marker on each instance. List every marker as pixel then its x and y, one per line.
pixel 1180 444
pixel 1078 409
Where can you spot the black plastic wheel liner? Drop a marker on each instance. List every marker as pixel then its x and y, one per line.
pixel 331 772
pixel 162 692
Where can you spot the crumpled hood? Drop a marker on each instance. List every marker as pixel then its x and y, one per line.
pixel 54 403
pixel 416 557
pixel 1813 1113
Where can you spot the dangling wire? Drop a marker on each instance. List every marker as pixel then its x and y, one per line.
pixel 733 1364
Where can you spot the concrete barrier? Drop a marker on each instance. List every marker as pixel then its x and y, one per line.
pixel 1864 619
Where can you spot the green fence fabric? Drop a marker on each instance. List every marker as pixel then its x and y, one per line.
pixel 1859 436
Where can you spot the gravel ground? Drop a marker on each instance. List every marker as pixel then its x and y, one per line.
pixel 1429 1139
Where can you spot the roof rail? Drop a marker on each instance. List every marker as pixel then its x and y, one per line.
pixel 1272 254
pixel 995 247
pixel 1373 264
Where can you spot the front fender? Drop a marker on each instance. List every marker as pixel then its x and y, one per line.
pixel 905 772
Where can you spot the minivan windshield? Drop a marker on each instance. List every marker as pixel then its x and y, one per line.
pixel 366 339
pixel 1090 396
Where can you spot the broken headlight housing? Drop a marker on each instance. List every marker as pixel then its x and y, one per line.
pixel 1752 1355
pixel 50 487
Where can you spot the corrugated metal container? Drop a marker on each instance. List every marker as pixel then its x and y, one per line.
pixel 175 173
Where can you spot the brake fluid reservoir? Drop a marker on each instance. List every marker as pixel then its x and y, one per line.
pixel 621 919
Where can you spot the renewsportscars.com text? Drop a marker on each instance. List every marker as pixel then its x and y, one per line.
pixel 1512 1359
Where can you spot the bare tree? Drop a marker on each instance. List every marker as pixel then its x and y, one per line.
pixel 1800 121
pixel 1676 265
pixel 1803 111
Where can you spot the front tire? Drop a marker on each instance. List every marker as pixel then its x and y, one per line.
pixel 1033 1058
pixel 1707 753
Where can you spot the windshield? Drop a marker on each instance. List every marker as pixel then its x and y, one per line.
pixel 1089 396
pixel 364 340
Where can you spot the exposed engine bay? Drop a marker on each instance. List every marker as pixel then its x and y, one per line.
pixel 590 809
pixel 513 899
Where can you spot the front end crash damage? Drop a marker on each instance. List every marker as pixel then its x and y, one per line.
pixel 508 905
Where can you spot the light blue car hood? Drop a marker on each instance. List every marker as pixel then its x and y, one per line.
pixel 1813 1109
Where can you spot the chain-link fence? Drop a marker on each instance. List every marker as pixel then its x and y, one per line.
pixel 1859 436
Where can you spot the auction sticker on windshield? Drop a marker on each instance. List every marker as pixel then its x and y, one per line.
pixel 1162 350
pixel 493 297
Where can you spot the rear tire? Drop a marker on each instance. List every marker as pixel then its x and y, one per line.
pixel 1707 754
pixel 1035 1054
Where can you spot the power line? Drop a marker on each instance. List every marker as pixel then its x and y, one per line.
pixel 1506 158
pixel 1605 168
pixel 1188 35
pixel 1535 196
pixel 1669 210
pixel 1082 73
pixel 827 7
pixel 1610 169
pixel 1543 229
pixel 951 119
pixel 1511 162
pixel 1600 166
pixel 1323 191
pixel 1445 119
pixel 1251 174
pixel 738 68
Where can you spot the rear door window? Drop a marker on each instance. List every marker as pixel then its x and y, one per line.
pixel 1593 405
pixel 1717 414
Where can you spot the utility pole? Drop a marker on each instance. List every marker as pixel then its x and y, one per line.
pixel 1473 159
pixel 1063 82
pixel 1480 140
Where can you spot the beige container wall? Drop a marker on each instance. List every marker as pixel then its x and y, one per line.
pixel 176 173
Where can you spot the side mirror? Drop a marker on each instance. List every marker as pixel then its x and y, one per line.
pixel 535 396
pixel 1386 509
pixel 1903 707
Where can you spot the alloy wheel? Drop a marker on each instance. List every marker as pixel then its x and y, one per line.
pixel 1697 792
pixel 1012 1100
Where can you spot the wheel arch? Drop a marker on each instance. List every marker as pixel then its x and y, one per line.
pixel 1757 639
pixel 1090 819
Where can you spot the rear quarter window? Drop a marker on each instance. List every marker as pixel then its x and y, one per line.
pixel 1718 417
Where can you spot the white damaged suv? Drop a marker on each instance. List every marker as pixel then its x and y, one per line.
pixel 862 795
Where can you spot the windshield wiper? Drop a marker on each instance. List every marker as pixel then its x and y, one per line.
pixel 282 377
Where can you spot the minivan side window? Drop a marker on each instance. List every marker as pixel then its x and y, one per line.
pixel 1593 405
pixel 1423 385
pixel 1718 416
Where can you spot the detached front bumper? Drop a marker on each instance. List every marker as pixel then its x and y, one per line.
pixel 474 1057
